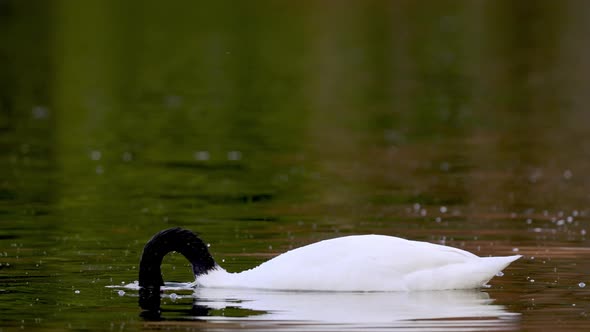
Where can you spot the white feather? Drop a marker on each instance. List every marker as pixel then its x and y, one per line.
pixel 365 263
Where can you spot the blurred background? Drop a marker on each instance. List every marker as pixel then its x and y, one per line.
pixel 266 125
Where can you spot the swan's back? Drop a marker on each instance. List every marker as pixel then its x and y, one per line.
pixel 366 263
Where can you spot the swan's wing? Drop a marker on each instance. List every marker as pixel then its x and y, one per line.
pixel 368 262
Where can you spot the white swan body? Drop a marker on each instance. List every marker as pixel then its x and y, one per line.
pixel 365 263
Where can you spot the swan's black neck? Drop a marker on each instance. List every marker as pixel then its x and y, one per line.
pixel 173 239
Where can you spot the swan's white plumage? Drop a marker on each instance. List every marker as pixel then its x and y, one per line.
pixel 365 263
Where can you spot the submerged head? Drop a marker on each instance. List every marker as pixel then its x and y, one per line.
pixel 173 239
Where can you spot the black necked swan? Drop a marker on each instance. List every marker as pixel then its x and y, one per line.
pixel 350 263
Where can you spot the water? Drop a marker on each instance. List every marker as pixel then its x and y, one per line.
pixel 266 126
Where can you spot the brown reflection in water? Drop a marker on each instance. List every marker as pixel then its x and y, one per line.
pixel 518 90
pixel 467 108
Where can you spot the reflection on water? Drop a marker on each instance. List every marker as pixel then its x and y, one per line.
pixel 424 310
pixel 352 308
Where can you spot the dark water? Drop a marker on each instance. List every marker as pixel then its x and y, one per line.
pixel 265 126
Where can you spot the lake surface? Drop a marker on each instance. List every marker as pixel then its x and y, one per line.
pixel 265 126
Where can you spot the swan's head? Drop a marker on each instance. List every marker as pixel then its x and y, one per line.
pixel 150 274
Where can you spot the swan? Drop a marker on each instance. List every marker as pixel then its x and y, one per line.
pixel 366 263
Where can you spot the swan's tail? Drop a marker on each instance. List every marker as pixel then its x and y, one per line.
pixel 500 263
pixel 492 266
pixel 474 273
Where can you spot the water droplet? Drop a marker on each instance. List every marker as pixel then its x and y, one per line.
pixel 234 155
pixel 438 219
pixel 77 291
pixel 95 155
pixel 500 274
pixel 173 296
pixel 417 206
pixel 127 156
pixel 535 175
pixel 40 112
pixel 532 280
pixel 583 232
pixel 582 285
pixel 569 219
pixel 515 249
pixel 173 101
pixel 208 245
pixel 201 155
pixel 529 221
pixel 443 209
pixel 567 174
pixel 423 212
pixel 121 292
